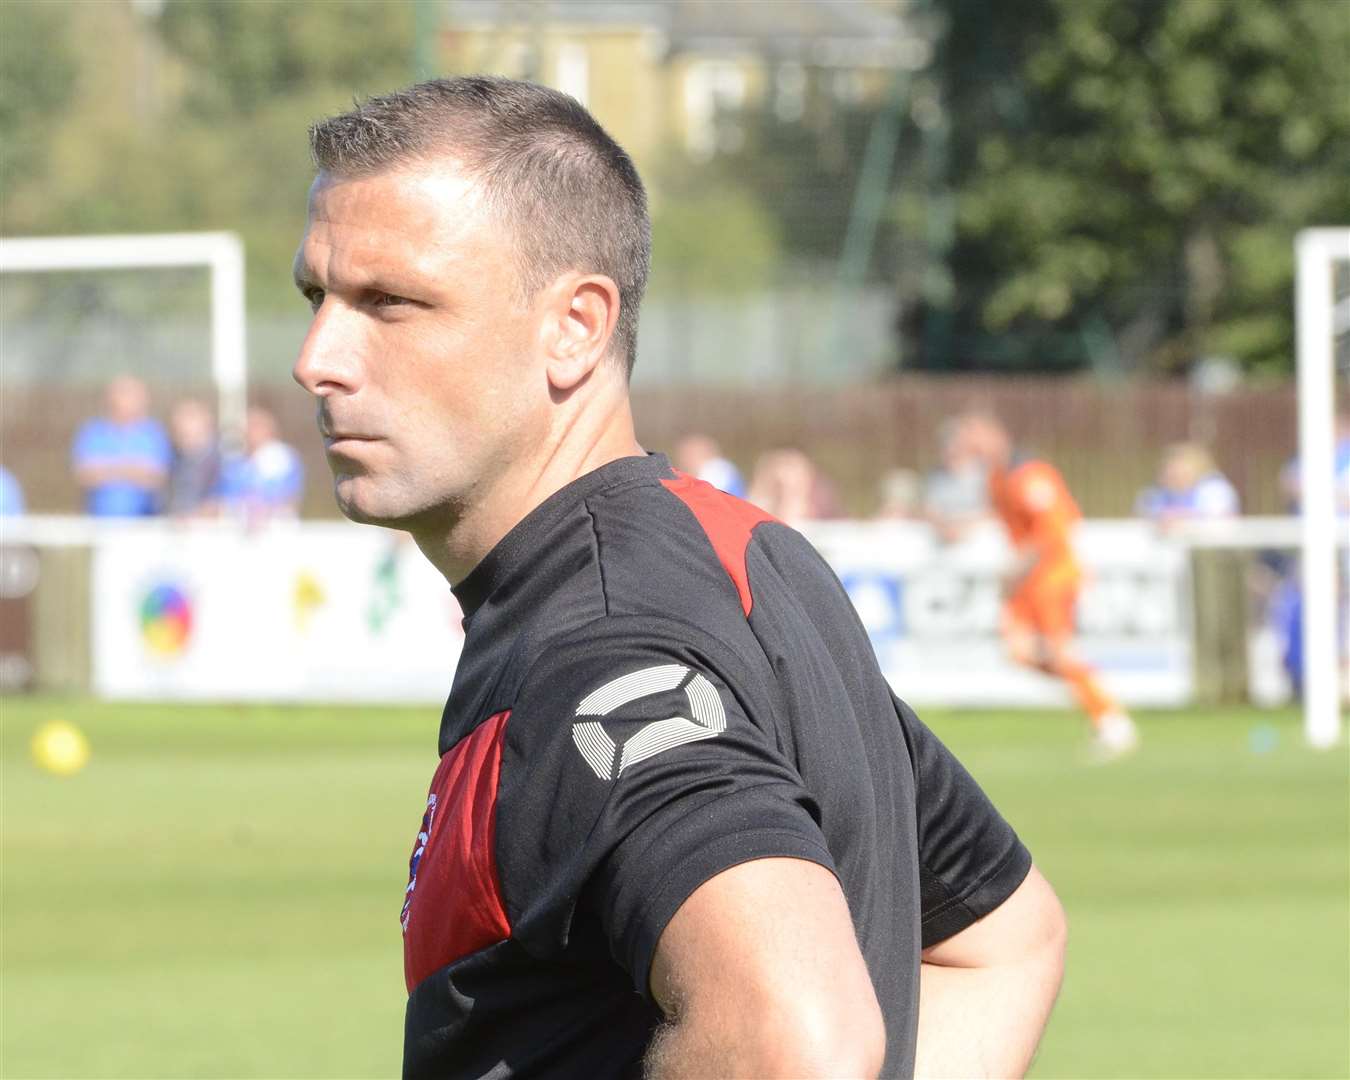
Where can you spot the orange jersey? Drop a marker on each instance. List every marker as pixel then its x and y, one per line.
pixel 1039 513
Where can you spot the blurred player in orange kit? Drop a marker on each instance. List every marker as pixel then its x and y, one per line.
pixel 1034 504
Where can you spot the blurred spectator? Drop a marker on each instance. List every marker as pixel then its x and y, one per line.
pixel 899 494
pixel 122 459
pixel 956 493
pixel 267 482
pixel 1189 487
pixel 11 495
pixel 701 457
pixel 1291 476
pixel 787 484
pixel 194 476
pixel 1284 609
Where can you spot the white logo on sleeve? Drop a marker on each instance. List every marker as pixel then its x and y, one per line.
pixel 707 718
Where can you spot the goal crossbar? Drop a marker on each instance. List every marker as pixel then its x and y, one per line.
pixel 221 253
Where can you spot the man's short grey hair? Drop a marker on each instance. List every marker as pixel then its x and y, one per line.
pixel 568 191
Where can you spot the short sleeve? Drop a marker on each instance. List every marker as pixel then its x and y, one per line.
pixel 970 859
pixel 638 763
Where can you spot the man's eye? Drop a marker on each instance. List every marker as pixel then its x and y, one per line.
pixel 385 299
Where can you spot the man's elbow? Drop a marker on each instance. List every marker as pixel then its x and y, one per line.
pixel 827 1039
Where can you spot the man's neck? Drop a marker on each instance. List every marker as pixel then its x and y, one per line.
pixel 579 447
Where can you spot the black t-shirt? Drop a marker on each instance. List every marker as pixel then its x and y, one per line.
pixel 659 682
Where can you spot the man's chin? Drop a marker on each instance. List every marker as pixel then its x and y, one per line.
pixel 361 507
pixel 355 507
pixel 353 513
pixel 362 502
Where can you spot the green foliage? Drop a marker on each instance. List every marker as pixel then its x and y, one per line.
pixel 1147 164
pixel 772 209
pixel 37 77
pixel 220 144
pixel 716 239
pixel 249 54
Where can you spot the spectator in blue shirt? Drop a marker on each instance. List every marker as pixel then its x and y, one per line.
pixel 11 494
pixel 1291 476
pixel 701 457
pixel 121 460
pixel 268 481
pixel 1285 609
pixel 1189 487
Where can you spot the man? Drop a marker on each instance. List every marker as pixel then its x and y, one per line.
pixel 1189 488
pixel 121 460
pixel 1042 585
pixel 789 485
pixel 679 821
pixel 701 457
pixel 194 476
pixel 266 482
pixel 956 493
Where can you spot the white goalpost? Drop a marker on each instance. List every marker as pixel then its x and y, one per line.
pixel 221 253
pixel 1318 322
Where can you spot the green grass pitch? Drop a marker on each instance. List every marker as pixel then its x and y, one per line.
pixel 217 893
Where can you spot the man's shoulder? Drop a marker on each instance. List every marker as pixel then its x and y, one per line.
pixel 95 429
pixel 675 545
pixel 685 549
pixel 634 640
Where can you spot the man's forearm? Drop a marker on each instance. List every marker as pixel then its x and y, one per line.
pixel 984 1021
pixel 985 993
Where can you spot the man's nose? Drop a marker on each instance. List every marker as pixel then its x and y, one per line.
pixel 329 360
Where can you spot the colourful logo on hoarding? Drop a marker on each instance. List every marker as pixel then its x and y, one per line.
pixel 166 620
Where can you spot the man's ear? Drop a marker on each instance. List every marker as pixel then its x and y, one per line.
pixel 580 312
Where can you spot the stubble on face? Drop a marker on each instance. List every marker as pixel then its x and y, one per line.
pixel 420 353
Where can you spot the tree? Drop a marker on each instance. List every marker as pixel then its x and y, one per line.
pixel 222 146
pixel 37 78
pixel 246 55
pixel 1129 176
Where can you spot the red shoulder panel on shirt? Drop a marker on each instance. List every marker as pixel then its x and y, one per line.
pixel 728 523
pixel 453 906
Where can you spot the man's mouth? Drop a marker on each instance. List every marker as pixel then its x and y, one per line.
pixel 344 443
pixel 336 433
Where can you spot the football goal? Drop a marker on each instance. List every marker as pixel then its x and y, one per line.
pixel 221 254
pixel 1322 318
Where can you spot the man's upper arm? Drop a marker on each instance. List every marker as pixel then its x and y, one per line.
pixel 761 963
pixel 639 763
